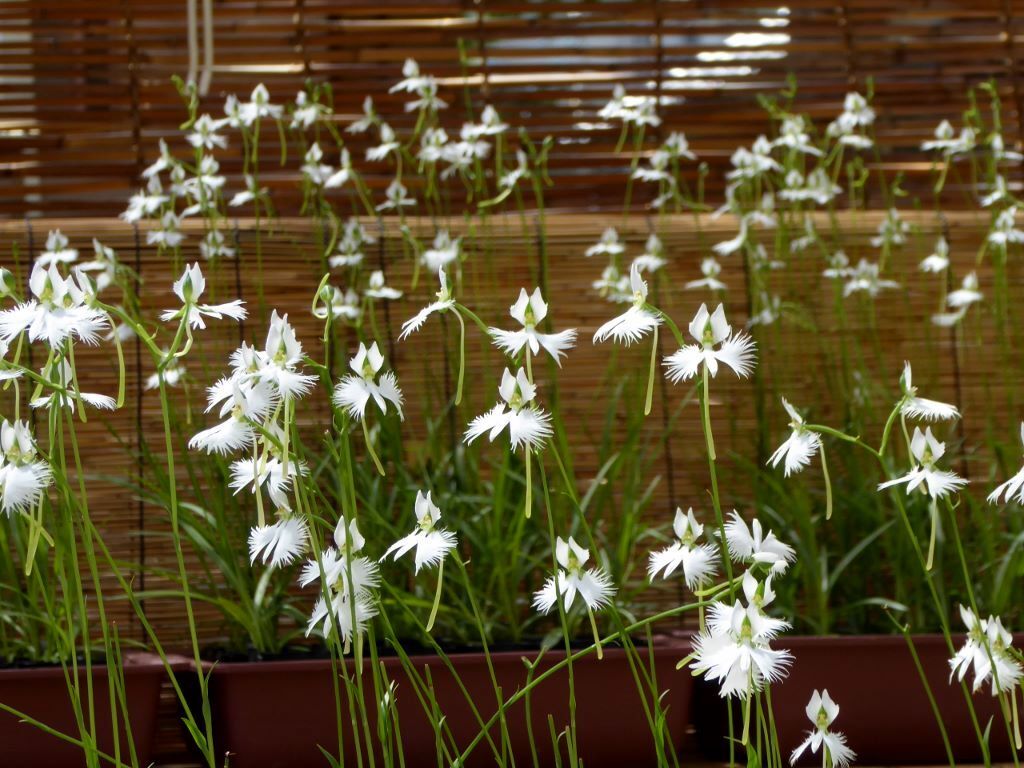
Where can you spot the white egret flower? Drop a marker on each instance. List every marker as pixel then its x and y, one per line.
pixel 988 651
pixel 966 294
pixel 613 286
pixel 204 133
pixel 442 252
pixel 256 472
pixel 490 125
pixel 376 289
pixel 279 544
pixel 793 136
pixel 172 375
pixel 388 144
pixel 609 244
pixel 307 112
pixel 431 544
pixel 141 205
pixel 1004 230
pixel 344 173
pixel 677 146
pixel 369 118
pixel 189 287
pixel 427 97
pixel 103 267
pixel 411 81
pixel 915 407
pixel 658 171
pixel 754 162
pixel 23 477
pixel 7 369
pixel 573 578
pixel 59 373
pixel 711 269
pixel 735 649
pixel 653 257
pixel 938 260
pixel 527 424
pixel 926 450
pixel 244 404
pixel 251 192
pixel 59 310
pixel 443 303
pixel 169 234
pixel 214 244
pixel 733 244
pixel 799 447
pixel 57 251
pixel 396 197
pixel 258 107
pixel 339 304
pixel 865 278
pixel 432 144
pixel 279 360
pixel 164 162
pixel 1000 193
pixel 752 545
pixel 736 350
pixel 348 581
pixel 353 393
pixel 822 712
pixel 637 321
pixel 697 560
pixel 509 179
pixel 1012 488
pixel 313 168
pixel 530 310
pixel 946 141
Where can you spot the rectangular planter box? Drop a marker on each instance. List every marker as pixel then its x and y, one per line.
pixel 274 714
pixel 42 693
pixel 884 709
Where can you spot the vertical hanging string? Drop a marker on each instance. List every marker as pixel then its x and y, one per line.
pixel 193 41
pixel 207 75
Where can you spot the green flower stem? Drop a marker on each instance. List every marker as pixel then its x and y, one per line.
pixel 715 500
pixel 437 596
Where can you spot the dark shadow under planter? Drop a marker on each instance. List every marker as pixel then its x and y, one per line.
pixel 274 714
pixel 884 708
pixel 42 693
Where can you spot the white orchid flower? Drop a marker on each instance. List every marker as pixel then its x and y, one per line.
pixel 637 321
pixel 716 343
pixel 799 447
pixel 753 546
pixel 348 580
pixel 280 543
pixel 1012 488
pixel 442 252
pixel 822 712
pixel 23 477
pixel 697 560
pixel 431 543
pixel 527 424
pixel 189 287
pixel 735 650
pixel 988 651
pixel 443 303
pixel 938 260
pixel 608 245
pixel 711 269
pixel 914 407
pixel 530 310
pixel 376 288
pixel 60 309
pixel 357 389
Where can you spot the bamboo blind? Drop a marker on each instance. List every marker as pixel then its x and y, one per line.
pixel 796 355
pixel 85 91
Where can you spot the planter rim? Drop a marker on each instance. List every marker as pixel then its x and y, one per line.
pixel 134 662
pixel 664 642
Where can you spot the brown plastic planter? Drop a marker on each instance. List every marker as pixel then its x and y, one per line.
pixel 42 693
pixel 884 709
pixel 274 714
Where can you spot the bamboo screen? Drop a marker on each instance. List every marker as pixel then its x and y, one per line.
pixel 85 90
pixel 949 364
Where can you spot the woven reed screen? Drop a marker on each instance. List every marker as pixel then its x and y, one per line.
pixel 85 90
pixel 798 354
